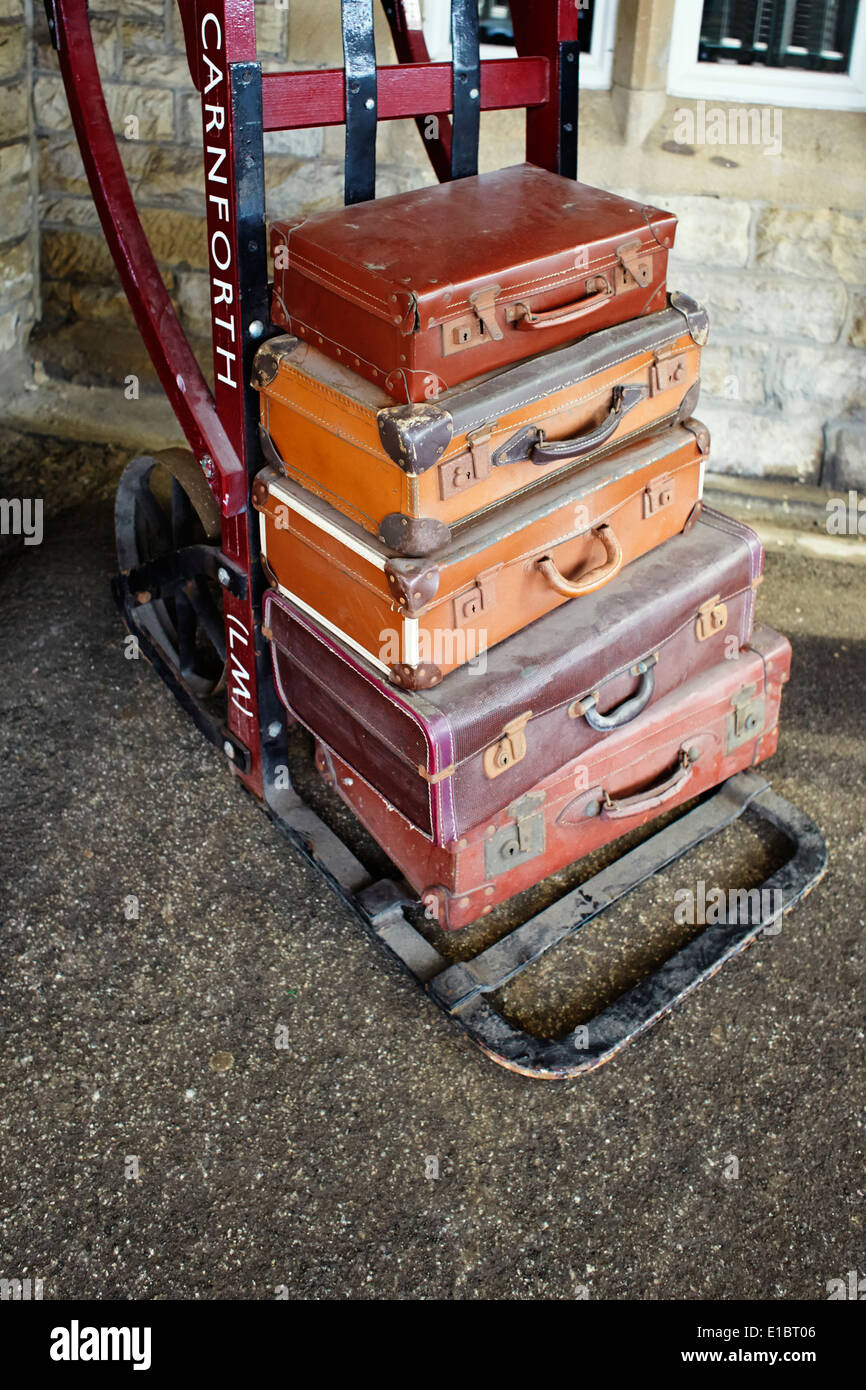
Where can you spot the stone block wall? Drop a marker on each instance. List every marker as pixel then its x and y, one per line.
pixel 784 372
pixel 773 246
pixel 18 218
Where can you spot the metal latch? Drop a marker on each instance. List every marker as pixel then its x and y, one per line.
pixel 484 304
pixel 510 749
pixel 634 264
pixel 712 617
pixel 478 327
pixel 657 494
pixel 478 599
pixel 457 474
pixel 746 720
pixel 519 841
pixel 668 371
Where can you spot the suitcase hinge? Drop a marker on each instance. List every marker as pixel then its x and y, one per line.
pixel 635 264
pixel 519 841
pixel 511 748
pixel 657 494
pixel 712 617
pixel 460 473
pixel 433 778
pixel 668 370
pixel 746 720
pixel 478 599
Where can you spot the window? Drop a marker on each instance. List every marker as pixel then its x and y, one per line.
pixel 782 52
pixel 597 28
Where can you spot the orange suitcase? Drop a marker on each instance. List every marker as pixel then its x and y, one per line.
pixel 409 473
pixel 417 619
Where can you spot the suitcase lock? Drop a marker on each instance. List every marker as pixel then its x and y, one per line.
pixel 658 494
pixel 457 474
pixel 474 601
pixel 511 748
pixel 518 842
pixel 746 720
pixel 668 371
pixel 478 327
pixel 635 267
pixel 712 617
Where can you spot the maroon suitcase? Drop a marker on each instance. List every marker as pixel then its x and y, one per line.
pixel 449 757
pixel 716 724
pixel 423 290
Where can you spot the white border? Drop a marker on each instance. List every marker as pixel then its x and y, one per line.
pixel 769 86
pixel 595 66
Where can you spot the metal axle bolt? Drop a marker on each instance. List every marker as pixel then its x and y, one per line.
pixel 228 749
pixel 223 576
pixel 256 328
pixel 274 729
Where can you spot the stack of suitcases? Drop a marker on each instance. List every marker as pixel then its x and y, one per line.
pixel 497 600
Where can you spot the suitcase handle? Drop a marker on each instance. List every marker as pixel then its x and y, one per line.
pixel 652 797
pixel 529 443
pixel 628 709
pixel 624 399
pixel 526 317
pixel 573 588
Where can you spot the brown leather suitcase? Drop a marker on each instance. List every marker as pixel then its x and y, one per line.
pixel 418 619
pixel 422 290
pixel 408 473
pixel 717 724
pixel 452 756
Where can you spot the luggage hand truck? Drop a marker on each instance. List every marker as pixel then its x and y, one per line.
pixel 190 580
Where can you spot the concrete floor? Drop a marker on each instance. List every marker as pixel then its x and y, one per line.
pixel 304 1169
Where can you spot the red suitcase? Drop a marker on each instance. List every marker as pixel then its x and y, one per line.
pixel 454 755
pixel 717 724
pixel 423 290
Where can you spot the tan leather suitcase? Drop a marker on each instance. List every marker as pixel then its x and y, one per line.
pixel 409 473
pixel 422 290
pixel 708 729
pixel 420 618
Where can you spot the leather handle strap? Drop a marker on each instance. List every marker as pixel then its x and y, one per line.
pixel 624 399
pixel 359 60
pixel 466 88
pixel 628 709
pixel 595 579
pixel 652 798
pixel 525 317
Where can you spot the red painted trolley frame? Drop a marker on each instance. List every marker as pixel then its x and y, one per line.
pixel 238 105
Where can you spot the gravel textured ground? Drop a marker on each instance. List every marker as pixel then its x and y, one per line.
pixel 148 1045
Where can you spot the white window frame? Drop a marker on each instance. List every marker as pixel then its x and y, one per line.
pixel 828 91
pixel 595 66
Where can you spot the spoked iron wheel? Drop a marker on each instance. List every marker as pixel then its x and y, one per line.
pixel 167 525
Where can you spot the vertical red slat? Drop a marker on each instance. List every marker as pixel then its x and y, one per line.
pixel 540 26
pixel 225 33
